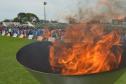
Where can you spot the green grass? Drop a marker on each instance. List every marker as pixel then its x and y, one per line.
pixel 11 72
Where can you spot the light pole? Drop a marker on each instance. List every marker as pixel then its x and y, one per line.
pixel 45 3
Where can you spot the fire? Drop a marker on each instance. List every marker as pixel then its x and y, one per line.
pixel 120 17
pixel 86 49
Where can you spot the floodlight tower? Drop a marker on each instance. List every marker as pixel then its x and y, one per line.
pixel 44 3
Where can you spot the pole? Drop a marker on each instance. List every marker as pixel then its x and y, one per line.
pixel 45 3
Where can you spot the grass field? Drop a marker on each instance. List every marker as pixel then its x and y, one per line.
pixel 11 72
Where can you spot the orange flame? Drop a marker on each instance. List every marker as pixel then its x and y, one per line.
pixel 86 49
pixel 121 17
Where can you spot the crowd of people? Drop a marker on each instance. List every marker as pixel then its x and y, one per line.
pixel 39 34
pixel 32 33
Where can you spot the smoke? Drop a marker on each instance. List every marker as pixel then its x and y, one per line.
pixel 115 8
pixel 103 10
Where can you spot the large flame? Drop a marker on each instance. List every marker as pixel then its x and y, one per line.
pixel 86 49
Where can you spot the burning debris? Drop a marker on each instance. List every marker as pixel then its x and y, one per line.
pixel 86 47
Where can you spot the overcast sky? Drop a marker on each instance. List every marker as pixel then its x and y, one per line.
pixel 56 9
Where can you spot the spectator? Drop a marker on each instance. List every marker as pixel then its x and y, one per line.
pixel 30 33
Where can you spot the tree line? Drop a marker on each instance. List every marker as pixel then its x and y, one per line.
pixel 24 17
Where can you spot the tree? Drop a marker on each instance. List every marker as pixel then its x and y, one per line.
pixel 21 17
pixel 32 17
pixel 16 20
pixel 26 17
pixel 6 20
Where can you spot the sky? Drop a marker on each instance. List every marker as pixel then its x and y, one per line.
pixel 55 9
